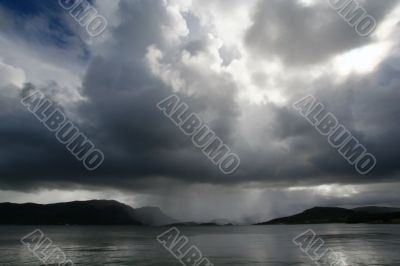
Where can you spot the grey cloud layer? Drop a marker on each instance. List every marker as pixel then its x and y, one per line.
pixel 143 149
pixel 302 35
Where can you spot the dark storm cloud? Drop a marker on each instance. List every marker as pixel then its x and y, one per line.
pixel 30 155
pixel 299 34
pixel 121 118
pixel 366 105
pixel 145 151
pixel 139 141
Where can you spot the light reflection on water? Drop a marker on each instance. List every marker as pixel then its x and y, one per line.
pixel 247 245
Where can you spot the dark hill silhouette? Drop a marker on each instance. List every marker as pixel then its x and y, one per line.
pixel 320 215
pixel 94 212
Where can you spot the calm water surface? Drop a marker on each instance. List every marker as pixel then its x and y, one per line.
pixel 246 245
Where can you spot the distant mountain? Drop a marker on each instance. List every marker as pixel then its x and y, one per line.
pixel 193 224
pixel 153 216
pixel 315 215
pixel 223 221
pixel 94 212
pixel 110 212
pixel 215 222
pixel 320 215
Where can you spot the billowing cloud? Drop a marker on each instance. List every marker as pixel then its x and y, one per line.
pixel 239 68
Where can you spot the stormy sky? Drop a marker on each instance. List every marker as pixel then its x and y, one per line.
pixel 239 65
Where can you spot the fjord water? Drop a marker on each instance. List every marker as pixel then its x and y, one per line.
pixel 242 245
